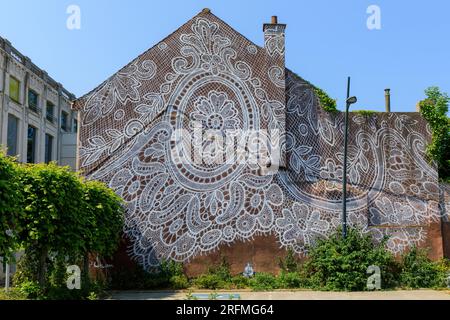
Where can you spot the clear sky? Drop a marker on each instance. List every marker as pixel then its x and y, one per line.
pixel 326 40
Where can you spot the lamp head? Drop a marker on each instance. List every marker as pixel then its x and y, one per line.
pixel 351 100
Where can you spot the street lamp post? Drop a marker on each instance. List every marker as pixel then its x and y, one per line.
pixel 349 102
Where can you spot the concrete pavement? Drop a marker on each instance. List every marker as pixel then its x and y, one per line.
pixel 285 295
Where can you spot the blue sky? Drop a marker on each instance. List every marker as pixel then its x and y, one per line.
pixel 326 40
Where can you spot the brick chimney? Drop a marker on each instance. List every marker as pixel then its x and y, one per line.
pixel 274 45
pixel 274 40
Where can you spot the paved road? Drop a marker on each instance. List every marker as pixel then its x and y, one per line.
pixel 286 295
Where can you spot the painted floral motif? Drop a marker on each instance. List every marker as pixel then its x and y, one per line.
pixel 301 226
pixel 181 210
pixel 216 112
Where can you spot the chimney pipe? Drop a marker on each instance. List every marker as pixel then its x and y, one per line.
pixel 387 98
pixel 274 20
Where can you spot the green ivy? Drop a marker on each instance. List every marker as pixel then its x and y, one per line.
pixel 326 102
pixel 366 113
pixel 434 109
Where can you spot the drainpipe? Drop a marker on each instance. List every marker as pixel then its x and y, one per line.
pixel 387 98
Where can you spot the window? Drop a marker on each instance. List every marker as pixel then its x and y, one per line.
pixel 14 89
pixel 50 111
pixel 31 144
pixel 12 135
pixel 48 148
pixel 75 125
pixel 64 117
pixel 33 99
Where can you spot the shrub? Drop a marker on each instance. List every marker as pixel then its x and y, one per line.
pixel 263 282
pixel 240 282
pixel 179 282
pixel 290 263
pixel 341 264
pixel 420 272
pixel 209 281
pixel 168 275
pixel 291 280
pixel 11 198
pixel 221 270
pixel 30 289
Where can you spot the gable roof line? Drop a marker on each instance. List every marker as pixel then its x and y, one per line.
pixel 77 103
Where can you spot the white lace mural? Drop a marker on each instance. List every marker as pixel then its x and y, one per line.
pixel 207 73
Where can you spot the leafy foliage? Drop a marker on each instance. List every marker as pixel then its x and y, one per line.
pixel 366 113
pixel 418 271
pixel 105 218
pixel 168 275
pixel 290 263
pixel 292 280
pixel 240 282
pixel 61 220
pixel 263 281
pixel 434 109
pixel 326 102
pixel 10 204
pixel 341 264
pixel 209 281
pixel 217 277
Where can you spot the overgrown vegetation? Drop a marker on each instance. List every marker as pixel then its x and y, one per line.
pixel 333 264
pixel 57 219
pixel 341 264
pixel 418 271
pixel 434 109
pixel 168 275
pixel 10 205
pixel 326 102
pixel 366 113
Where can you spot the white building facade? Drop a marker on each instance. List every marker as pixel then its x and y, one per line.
pixel 36 120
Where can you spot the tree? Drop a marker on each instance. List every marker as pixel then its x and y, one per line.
pixel 434 109
pixel 10 204
pixel 52 219
pixel 104 218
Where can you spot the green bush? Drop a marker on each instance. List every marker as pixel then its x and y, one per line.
pixel 30 289
pixel 290 263
pixel 221 270
pixel 263 282
pixel 179 282
pixel 291 280
pixel 341 264
pixel 209 281
pixel 11 197
pixel 240 282
pixel 168 275
pixel 420 272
